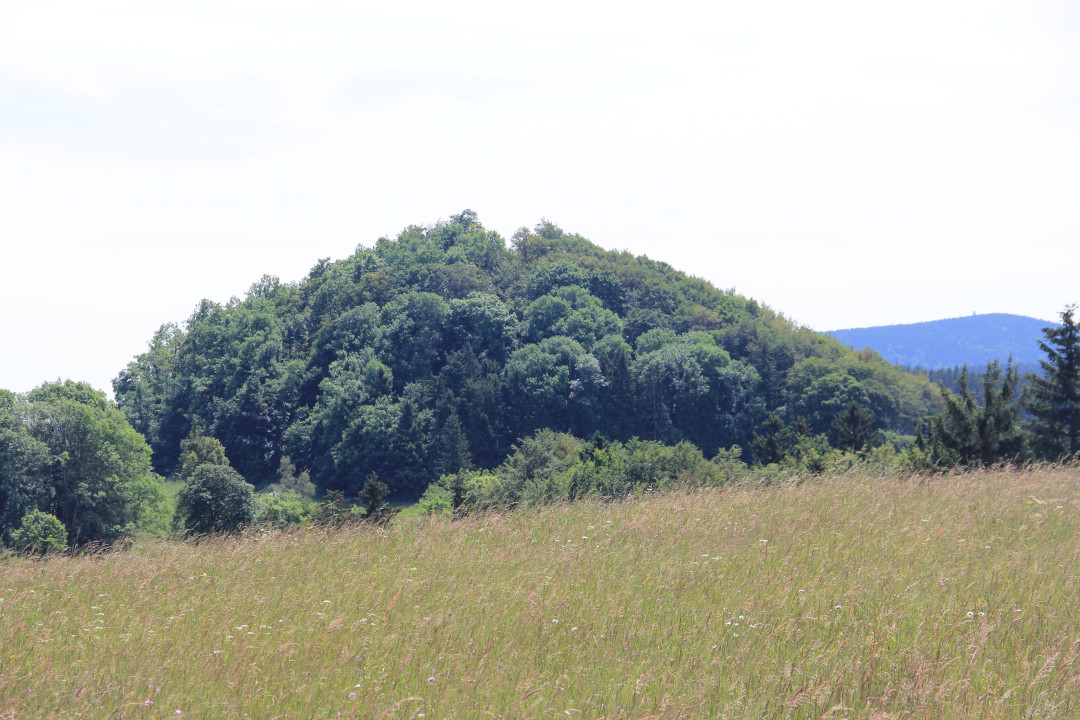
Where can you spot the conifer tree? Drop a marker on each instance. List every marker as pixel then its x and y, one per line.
pixel 1055 396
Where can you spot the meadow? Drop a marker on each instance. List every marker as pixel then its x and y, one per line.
pixel 854 596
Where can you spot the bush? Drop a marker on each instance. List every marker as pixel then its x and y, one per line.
pixel 215 498
pixel 282 509
pixel 40 534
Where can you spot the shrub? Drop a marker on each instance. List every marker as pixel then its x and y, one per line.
pixel 40 534
pixel 215 498
pixel 282 509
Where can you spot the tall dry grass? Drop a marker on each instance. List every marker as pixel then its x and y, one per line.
pixel 847 597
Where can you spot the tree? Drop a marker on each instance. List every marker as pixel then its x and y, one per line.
pixel 452 451
pixel 373 498
pixel 1055 396
pixel 199 449
pixel 215 498
pixel 99 472
pixel 290 482
pixel 968 433
pixel 852 427
pixel 40 534
pixel 669 380
pixel 24 484
pixel 775 443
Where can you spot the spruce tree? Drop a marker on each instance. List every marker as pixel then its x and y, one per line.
pixel 1055 396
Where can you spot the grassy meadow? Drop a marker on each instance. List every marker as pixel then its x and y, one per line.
pixel 843 597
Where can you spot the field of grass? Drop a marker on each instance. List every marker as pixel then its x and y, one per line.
pixel 846 597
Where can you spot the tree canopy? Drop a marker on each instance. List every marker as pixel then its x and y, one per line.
pixel 66 450
pixel 445 346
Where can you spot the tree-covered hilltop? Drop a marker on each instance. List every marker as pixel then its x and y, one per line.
pixel 440 349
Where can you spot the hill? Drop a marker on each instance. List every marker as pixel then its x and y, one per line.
pixel 974 341
pixel 443 348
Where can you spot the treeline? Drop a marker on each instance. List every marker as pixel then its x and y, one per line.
pixel 446 367
pixel 438 351
pixel 952 378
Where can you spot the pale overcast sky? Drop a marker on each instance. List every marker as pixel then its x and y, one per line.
pixel 847 163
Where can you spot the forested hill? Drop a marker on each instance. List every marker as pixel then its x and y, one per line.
pixel 974 341
pixel 440 349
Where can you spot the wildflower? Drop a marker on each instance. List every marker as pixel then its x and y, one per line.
pixel 431 679
pixel 971 614
pixel 555 621
pixel 838 607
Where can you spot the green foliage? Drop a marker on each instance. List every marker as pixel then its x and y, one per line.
pixel 24 484
pixel 215 498
pixel 851 429
pixel 98 474
pixel 282 509
pixel 39 534
pixel 548 467
pixel 1055 395
pixel 970 433
pixel 198 449
pixel 334 510
pixel 373 497
pixel 437 499
pixel 291 483
pixel 442 350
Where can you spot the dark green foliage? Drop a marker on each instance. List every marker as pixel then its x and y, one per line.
pixel 215 498
pixel 1055 395
pixel 333 511
pixel 98 476
pixel 198 449
pixel 440 349
pixel 373 497
pixel 972 433
pixel 851 430
pixel 775 442
pixel 39 534
pixel 452 448
pixel 24 484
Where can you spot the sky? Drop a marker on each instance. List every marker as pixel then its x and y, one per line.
pixel 848 164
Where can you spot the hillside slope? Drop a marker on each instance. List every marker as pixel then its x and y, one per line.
pixel 974 340
pixel 442 348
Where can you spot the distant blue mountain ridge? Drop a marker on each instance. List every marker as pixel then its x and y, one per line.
pixel 975 341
